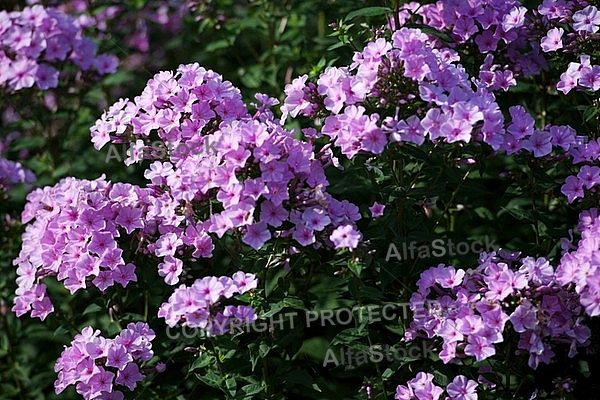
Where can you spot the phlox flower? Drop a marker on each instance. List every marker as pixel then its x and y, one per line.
pixel 304 235
pixel 539 143
pixel 345 237
pixel 587 20
pixel 167 244
pixel 462 388
pixel 257 235
pixel 129 376
pixel 553 40
pixel 573 188
pixel 376 210
pixel 479 347
pixel 170 269
pixel 514 19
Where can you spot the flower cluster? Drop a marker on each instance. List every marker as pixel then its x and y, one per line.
pixel 471 308
pixel 436 95
pixel 409 72
pixel 587 177
pixel 581 268
pixel 135 23
pixel 96 366
pixel 254 173
pixel 37 41
pixel 580 75
pixel 12 173
pixel 74 237
pixel 504 29
pixel 198 305
pixel 581 21
pixel 180 108
pixel 422 388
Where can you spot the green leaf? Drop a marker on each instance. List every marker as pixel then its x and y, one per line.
pixel 293 302
pixel 589 113
pixel 247 392
pixel 202 361
pixel 92 308
pixel 584 368
pixel 263 350
pixel 521 215
pixel 355 267
pixel 348 336
pixel 275 308
pixel 231 386
pixel 118 78
pixel 440 378
pixel 336 46
pixel 28 142
pixel 61 171
pixel 211 379
pixel 387 374
pixel 368 12
pixel 61 331
pixel 217 45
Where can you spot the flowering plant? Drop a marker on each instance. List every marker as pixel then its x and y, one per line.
pixel 246 235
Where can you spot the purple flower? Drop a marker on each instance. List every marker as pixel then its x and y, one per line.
pixel 376 210
pixel 198 306
pixel 123 274
pixel 456 130
pixel 589 176
pixel 296 100
pixel 590 78
pixel 304 235
pixel 103 280
pixel 244 281
pixel 553 40
pixel 87 363
pixel 522 124
pixel 539 143
pixel 462 388
pixel 22 74
pixel 35 39
pixel 514 19
pixel 46 77
pixel 129 376
pixel 586 20
pixel 106 64
pixel 573 188
pixel 316 218
pixel 101 381
pixel 567 82
pixel 118 357
pixel 411 130
pixel 256 235
pixel 345 237
pixel 524 318
pixel 479 347
pixel 167 244
pixel 170 269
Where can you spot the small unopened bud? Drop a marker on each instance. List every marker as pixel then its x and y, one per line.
pixel 3 307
